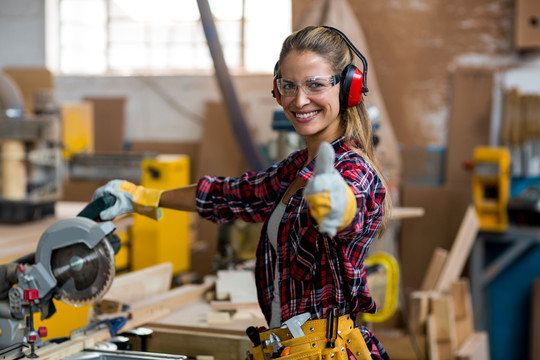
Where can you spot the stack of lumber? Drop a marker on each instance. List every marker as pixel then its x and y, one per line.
pixel 441 311
pixel 147 294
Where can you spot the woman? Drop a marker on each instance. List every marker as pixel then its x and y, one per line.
pixel 303 265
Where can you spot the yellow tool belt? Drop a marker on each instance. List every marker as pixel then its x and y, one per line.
pixel 314 344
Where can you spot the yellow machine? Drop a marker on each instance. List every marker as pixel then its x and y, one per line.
pixel 167 240
pixel 491 187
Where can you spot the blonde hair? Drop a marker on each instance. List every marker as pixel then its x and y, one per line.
pixel 355 120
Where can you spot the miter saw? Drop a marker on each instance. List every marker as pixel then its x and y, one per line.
pixel 74 262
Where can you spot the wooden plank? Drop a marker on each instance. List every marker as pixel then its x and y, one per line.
pixel 442 307
pixel 460 250
pixel 461 296
pixel 399 213
pixel 476 347
pixel 219 305
pixel 418 311
pixel 192 317
pixel 431 338
pixel 227 286
pixel 434 269
pixel 441 328
pixel 141 284
pixel 170 300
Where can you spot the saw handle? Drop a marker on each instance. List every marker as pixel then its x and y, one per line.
pixel 93 209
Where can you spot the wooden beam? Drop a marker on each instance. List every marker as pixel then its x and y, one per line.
pixel 170 300
pixel 141 284
pixel 461 248
pixel 461 296
pixel 222 305
pixel 442 336
pixel 418 311
pixel 434 269
pixel 431 338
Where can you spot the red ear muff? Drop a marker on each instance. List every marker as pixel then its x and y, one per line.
pixel 353 81
pixel 352 84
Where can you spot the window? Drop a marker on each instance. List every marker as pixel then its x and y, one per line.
pixel 153 36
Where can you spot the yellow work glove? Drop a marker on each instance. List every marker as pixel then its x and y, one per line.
pixel 331 201
pixel 129 198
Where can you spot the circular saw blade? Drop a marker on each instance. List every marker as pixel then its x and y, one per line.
pixel 83 275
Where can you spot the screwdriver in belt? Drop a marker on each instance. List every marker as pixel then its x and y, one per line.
pixel 331 327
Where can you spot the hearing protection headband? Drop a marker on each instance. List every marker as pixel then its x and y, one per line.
pixel 358 53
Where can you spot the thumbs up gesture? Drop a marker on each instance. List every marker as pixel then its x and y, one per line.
pixel 331 201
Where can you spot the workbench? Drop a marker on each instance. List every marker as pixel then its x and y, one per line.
pixel 183 330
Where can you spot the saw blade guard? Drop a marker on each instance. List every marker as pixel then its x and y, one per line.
pixel 75 252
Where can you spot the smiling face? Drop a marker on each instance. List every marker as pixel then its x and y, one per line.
pixel 314 116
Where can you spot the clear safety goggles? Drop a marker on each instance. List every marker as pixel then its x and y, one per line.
pixel 312 85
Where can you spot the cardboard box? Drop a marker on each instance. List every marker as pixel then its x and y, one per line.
pixel 109 121
pixel 527 24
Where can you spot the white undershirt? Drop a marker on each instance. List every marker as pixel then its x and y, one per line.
pixel 272 230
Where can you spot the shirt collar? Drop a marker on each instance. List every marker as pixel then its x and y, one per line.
pixel 305 173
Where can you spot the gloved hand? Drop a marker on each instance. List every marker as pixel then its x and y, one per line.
pixel 8 277
pixel 331 201
pixel 129 198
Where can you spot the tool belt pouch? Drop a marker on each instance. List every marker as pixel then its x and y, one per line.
pixel 313 345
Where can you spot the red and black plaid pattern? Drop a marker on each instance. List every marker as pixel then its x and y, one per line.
pixel 315 271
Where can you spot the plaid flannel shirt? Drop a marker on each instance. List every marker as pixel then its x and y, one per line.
pixel 316 271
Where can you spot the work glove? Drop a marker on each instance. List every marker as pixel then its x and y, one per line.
pixel 8 277
pixel 331 201
pixel 129 198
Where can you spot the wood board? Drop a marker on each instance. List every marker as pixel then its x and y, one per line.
pixel 460 251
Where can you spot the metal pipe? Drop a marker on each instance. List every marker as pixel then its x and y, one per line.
pixel 243 136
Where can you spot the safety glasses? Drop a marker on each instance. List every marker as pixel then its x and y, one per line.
pixel 312 85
